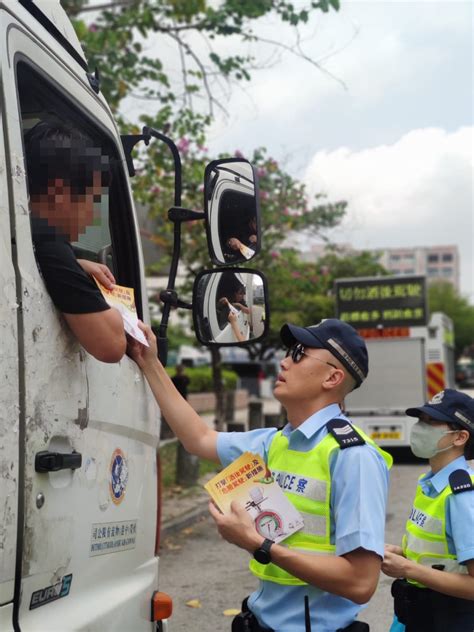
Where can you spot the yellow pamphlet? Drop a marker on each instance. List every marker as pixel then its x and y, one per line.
pixel 123 299
pixel 249 481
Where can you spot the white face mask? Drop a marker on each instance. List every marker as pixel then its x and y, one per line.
pixel 424 440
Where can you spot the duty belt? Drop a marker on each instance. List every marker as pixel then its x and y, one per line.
pixel 246 621
pixel 411 601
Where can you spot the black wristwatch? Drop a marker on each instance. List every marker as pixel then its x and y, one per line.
pixel 262 554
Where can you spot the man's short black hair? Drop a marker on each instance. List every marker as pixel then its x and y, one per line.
pixel 55 149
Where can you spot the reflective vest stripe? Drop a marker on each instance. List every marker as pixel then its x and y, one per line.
pixel 331 550
pixel 313 488
pixel 314 525
pixel 420 545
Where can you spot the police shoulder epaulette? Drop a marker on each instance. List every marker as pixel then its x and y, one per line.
pixel 344 433
pixel 460 482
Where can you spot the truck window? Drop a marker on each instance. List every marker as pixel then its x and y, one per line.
pixel 106 234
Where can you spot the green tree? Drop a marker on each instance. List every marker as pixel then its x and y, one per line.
pixel 118 43
pixel 443 297
pixel 303 292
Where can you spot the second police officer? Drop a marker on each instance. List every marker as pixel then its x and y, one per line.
pixel 434 589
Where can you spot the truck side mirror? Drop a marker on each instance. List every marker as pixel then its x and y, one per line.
pixel 230 306
pixel 232 211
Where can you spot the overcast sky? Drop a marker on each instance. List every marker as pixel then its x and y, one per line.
pixel 396 143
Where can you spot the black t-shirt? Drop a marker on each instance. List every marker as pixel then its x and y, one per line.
pixel 71 289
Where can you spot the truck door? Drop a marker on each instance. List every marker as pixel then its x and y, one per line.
pixel 87 542
pixel 9 453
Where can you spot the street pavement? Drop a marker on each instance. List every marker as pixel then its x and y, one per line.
pixel 196 564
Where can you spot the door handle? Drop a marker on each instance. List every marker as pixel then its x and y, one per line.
pixel 54 461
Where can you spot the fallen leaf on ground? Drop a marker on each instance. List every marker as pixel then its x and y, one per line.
pixel 188 531
pixel 171 546
pixel 231 612
pixel 194 603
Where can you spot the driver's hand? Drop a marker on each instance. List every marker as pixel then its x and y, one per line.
pixel 98 270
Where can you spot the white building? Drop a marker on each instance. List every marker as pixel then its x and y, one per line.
pixel 437 263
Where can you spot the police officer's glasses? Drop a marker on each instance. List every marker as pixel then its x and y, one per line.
pixel 297 352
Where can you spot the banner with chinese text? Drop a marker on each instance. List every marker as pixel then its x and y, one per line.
pixel 391 301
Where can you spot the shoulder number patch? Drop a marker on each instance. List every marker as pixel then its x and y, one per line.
pixel 460 482
pixel 344 433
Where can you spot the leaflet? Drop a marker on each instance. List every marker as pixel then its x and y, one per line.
pixel 123 299
pixel 249 481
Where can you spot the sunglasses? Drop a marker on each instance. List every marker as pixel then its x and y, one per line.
pixel 297 351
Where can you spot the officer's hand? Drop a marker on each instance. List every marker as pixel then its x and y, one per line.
pixel 395 565
pixel 393 548
pixel 237 527
pixel 98 270
pixel 143 356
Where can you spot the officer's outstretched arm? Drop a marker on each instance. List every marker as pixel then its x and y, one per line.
pixel 452 584
pixel 193 432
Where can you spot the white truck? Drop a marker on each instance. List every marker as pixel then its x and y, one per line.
pixel 79 482
pixel 77 544
pixel 404 371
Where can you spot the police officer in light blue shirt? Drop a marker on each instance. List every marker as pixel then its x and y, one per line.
pixel 334 474
pixel 434 591
pixel 324 363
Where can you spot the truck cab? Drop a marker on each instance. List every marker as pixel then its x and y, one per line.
pixel 77 544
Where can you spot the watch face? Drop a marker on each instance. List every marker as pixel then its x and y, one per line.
pixel 269 524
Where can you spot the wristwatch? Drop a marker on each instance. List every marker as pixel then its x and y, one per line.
pixel 262 554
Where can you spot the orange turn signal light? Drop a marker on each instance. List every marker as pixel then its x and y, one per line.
pixel 161 606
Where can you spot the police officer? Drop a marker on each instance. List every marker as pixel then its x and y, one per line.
pixel 434 591
pixel 336 477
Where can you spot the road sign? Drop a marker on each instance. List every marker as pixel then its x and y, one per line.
pixel 390 301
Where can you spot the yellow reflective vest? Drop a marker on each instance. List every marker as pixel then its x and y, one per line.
pixel 425 540
pixel 313 468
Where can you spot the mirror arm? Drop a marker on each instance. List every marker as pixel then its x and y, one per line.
pixel 128 143
pixel 162 340
pixel 149 131
pixel 167 303
pixel 179 214
pixel 171 297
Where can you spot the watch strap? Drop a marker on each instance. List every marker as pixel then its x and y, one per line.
pixel 262 554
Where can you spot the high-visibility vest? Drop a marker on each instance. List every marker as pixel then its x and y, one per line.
pixel 310 475
pixel 425 541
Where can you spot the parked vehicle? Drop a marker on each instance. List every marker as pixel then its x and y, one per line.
pixel 403 371
pixel 79 500
pixel 465 373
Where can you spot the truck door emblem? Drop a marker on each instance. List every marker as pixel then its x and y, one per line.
pixel 51 593
pixel 118 476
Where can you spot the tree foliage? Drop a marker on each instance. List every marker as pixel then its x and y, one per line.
pixel 125 40
pixel 443 297
pixel 303 293
pixel 120 41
